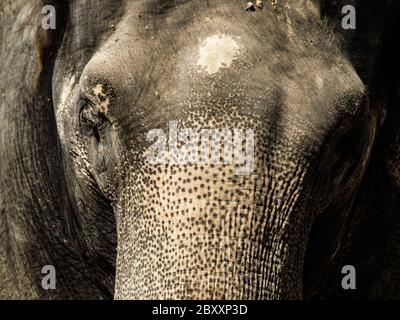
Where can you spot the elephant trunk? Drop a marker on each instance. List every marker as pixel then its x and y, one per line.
pixel 208 234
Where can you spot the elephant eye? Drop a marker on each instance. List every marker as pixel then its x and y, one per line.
pixel 91 121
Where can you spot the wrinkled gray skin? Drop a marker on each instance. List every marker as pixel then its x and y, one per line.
pixel 77 103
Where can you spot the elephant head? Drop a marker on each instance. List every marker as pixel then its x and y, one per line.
pixel 283 92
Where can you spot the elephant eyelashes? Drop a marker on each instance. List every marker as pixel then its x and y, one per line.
pixel 95 135
pixel 91 121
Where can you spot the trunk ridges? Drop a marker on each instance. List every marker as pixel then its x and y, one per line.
pixel 245 240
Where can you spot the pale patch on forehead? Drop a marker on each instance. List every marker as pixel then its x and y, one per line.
pixel 216 52
pixel 319 81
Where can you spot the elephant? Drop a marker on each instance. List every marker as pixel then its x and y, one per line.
pixel 83 103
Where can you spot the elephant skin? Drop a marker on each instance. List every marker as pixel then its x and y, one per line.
pixel 77 191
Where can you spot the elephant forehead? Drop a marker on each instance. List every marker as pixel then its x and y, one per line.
pixel 219 71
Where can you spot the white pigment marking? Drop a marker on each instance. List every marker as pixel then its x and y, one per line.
pixel 319 82
pixel 98 90
pixel 216 52
pixel 66 94
pixel 102 101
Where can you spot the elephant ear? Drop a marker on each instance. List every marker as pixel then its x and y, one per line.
pixel 375 55
pixel 35 210
pixel 28 149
